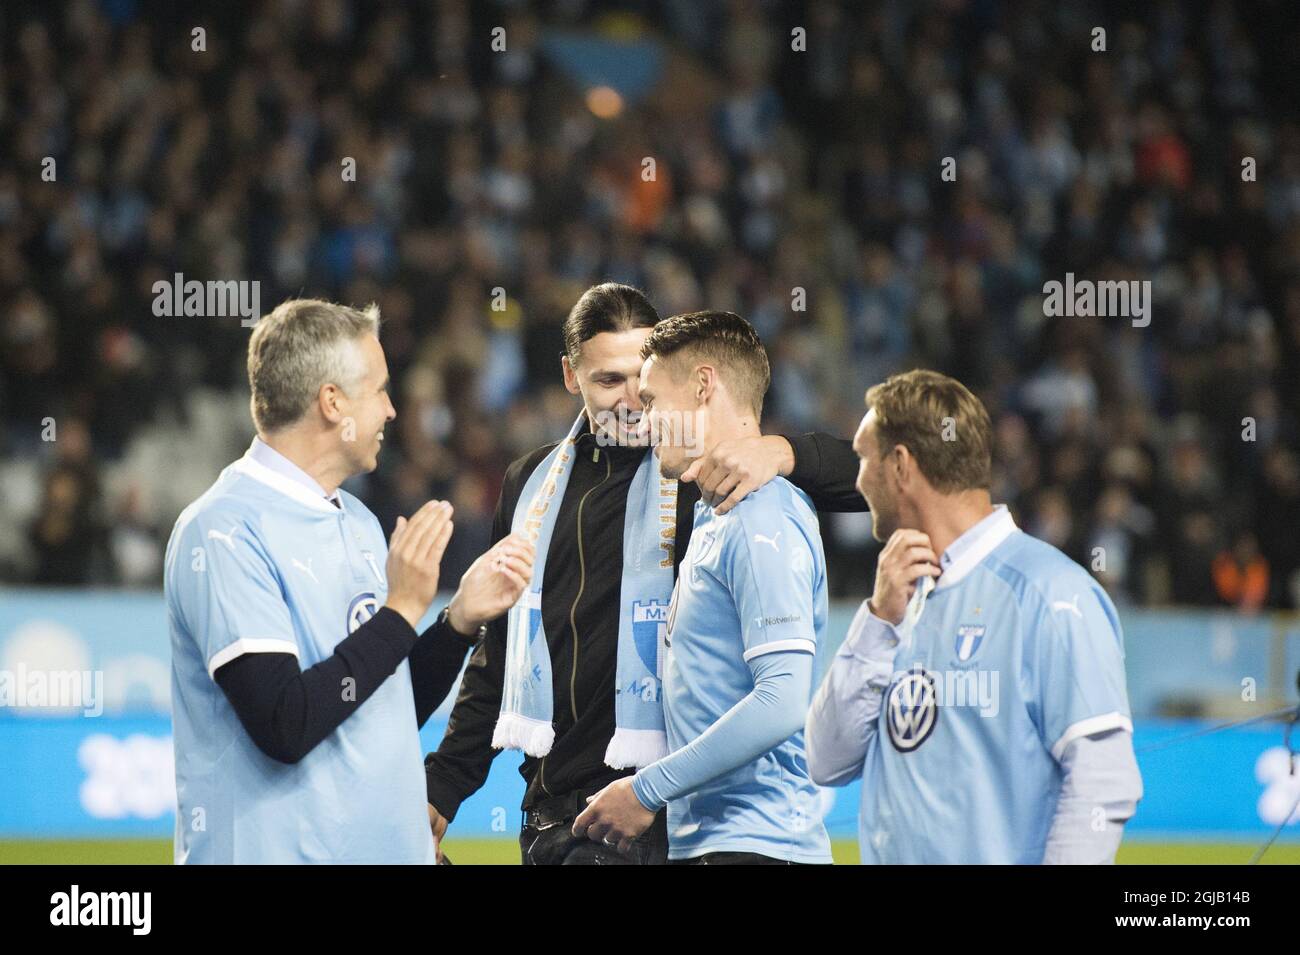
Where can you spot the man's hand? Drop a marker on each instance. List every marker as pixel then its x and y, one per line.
pixel 439 826
pixel 614 816
pixel 492 585
pixel 907 557
pixel 731 470
pixel 414 559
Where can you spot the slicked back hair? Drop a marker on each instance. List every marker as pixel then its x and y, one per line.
pixel 608 307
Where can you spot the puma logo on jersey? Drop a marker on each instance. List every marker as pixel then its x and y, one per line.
pixel 760 539
pixel 228 537
pixel 1072 606
pixel 306 568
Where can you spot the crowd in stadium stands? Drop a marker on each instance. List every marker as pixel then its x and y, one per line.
pixel 803 189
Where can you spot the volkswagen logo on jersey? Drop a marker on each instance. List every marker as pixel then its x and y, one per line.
pixel 969 638
pixel 911 709
pixel 362 608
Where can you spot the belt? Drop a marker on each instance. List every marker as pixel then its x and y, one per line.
pixel 558 810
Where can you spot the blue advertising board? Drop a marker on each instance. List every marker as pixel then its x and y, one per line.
pixel 101 764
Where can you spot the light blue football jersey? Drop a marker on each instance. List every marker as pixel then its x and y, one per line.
pixel 261 564
pixel 753 581
pixel 1018 652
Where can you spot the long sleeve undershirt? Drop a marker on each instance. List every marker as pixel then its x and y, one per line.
pixel 767 716
pixel 1099 793
pixel 288 711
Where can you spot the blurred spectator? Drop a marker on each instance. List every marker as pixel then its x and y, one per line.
pixel 1277 524
pixel 1241 574
pixel 67 535
pixel 1118 542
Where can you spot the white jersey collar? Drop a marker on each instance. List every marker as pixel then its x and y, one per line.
pixel 965 553
pixel 255 469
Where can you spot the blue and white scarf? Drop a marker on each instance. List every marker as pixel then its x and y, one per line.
pixel 912 615
pixel 649 532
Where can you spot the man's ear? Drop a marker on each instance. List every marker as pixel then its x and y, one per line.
pixel 706 382
pixel 570 376
pixel 330 400
pixel 904 465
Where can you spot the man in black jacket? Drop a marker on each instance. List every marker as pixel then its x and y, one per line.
pixel 583 577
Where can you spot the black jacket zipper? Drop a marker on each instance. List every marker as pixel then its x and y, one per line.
pixel 573 610
pixel 582 584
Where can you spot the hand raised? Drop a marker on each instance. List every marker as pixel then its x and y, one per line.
pixel 906 558
pixel 415 557
pixel 493 584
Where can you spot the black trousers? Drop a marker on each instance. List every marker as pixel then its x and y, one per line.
pixel 547 838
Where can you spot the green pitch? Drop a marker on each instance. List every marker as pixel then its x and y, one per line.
pixel 506 852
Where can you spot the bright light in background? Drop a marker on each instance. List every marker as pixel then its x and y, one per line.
pixel 604 102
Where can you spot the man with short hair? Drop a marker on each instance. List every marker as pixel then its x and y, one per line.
pixel 298 680
pixel 986 714
pixel 747 616
pixel 572 676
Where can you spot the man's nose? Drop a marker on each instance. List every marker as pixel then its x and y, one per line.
pixel 632 399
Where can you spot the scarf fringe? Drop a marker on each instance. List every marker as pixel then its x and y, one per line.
pixel 514 731
pixel 635 749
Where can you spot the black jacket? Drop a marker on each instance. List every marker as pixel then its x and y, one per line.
pixel 584 570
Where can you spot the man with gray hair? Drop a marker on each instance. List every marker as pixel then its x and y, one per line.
pixel 299 682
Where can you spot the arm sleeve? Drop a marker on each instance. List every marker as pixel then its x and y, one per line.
pixel 843 717
pixel 288 711
pixel 826 469
pixel 771 572
pixel 435 664
pixel 1099 793
pixel 1078 667
pixel 230 596
pixel 767 716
